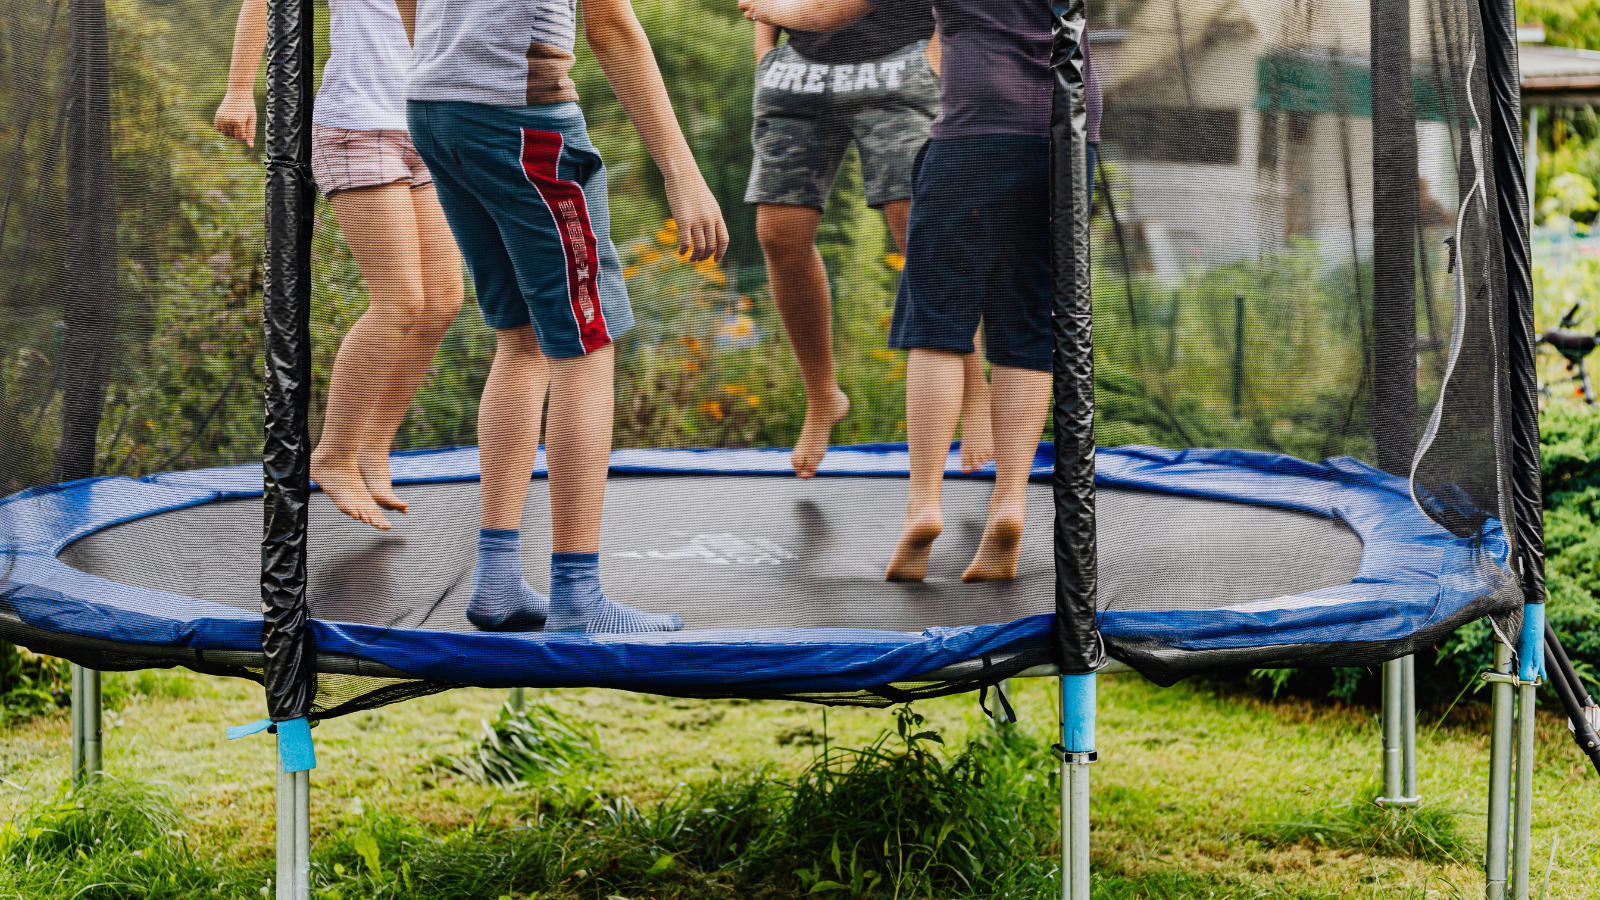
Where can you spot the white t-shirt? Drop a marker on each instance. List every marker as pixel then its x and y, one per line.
pixel 363 83
pixel 496 52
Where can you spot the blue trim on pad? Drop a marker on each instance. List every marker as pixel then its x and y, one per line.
pixel 1413 573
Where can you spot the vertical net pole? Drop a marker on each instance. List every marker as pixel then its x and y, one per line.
pixel 1077 645
pixel 1394 217
pixel 1511 207
pixel 90 299
pixel 1077 637
pixel 286 310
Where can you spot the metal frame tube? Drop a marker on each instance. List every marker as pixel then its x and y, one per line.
pixel 302 835
pixel 1075 828
pixel 284 889
pixel 78 738
pixel 518 699
pixel 87 748
pixel 1393 755
pixel 1500 736
pixel 1522 822
pixel 294 835
pixel 1408 727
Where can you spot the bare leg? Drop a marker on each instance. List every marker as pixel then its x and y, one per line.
pixel 788 236
pixel 441 294
pixel 508 425
pixel 379 225
pixel 977 438
pixel 933 400
pixel 1021 398
pixel 579 448
pixel 977 430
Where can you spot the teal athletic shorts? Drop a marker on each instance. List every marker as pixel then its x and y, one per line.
pixel 524 191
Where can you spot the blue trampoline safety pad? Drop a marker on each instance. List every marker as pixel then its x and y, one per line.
pixel 1413 574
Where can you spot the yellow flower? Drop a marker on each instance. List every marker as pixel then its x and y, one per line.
pixel 630 271
pixel 711 409
pixel 738 390
pixel 668 235
pixel 895 261
pixel 754 400
pixel 650 258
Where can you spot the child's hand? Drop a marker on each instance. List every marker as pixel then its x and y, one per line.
pixel 236 118
pixel 701 232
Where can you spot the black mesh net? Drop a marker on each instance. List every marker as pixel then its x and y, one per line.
pixel 1295 255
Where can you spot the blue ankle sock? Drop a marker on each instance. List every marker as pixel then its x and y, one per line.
pixel 501 598
pixel 577 604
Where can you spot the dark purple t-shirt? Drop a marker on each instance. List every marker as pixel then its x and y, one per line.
pixel 890 25
pixel 995 74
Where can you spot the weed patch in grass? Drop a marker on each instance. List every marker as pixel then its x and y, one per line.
pixel 525 745
pixel 1428 833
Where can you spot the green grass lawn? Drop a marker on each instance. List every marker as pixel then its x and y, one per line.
pixel 1198 793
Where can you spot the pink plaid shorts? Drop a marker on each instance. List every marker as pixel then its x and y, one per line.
pixel 344 160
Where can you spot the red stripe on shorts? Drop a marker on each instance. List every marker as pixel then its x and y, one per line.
pixel 541 152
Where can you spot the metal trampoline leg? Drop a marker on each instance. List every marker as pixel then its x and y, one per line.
pixel 1399 734
pixel 294 835
pixel 1408 726
pixel 87 753
pixel 518 699
pixel 1078 753
pixel 1496 856
pixel 1522 822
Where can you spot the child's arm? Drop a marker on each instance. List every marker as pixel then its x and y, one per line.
pixel 766 39
pixel 806 15
pixel 623 51
pixel 236 117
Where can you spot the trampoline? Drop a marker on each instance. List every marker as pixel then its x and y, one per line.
pixel 1207 559
pixel 1287 428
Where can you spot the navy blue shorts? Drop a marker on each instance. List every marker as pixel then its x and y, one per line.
pixel 978 249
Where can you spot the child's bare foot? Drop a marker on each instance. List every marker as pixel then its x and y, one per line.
pixel 977 441
pixel 817 432
pixel 910 560
pixel 341 480
pixel 996 559
pixel 375 473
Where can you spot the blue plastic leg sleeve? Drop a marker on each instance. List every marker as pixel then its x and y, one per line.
pixel 1530 644
pixel 1077 713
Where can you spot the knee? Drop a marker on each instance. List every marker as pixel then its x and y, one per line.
pixel 398 306
pixel 782 242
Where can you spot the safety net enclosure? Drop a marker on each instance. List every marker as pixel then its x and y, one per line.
pixel 1301 374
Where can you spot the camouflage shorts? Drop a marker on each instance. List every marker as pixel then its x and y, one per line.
pixel 807 114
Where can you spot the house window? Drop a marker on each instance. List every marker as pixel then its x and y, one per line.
pixel 1181 134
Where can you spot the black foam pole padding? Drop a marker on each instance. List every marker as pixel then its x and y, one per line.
pixel 1557 654
pixel 1076 646
pixel 1567 688
pixel 90 300
pixel 286 313
pixel 1511 203
pixel 1395 209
